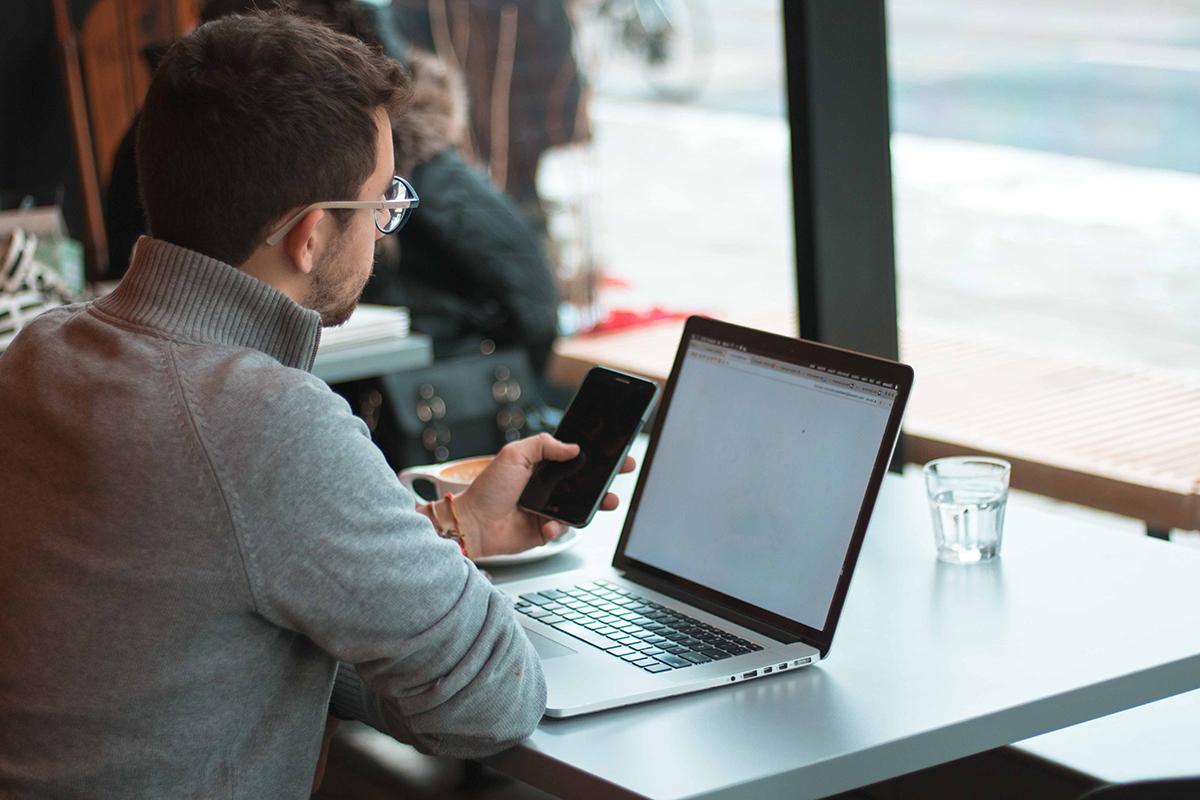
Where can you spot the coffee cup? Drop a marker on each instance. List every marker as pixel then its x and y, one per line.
pixel 450 477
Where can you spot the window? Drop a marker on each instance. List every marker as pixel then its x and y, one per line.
pixel 681 200
pixel 1047 174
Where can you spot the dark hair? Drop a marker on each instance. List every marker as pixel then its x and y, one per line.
pixel 350 17
pixel 250 116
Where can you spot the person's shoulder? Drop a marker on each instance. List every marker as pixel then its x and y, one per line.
pixel 43 332
pixel 267 424
pixel 253 389
pixel 457 195
pixel 448 178
pixel 53 317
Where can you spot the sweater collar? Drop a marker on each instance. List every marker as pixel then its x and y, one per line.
pixel 185 294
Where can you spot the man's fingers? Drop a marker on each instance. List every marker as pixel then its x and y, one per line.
pixel 630 464
pixel 552 530
pixel 609 502
pixel 552 449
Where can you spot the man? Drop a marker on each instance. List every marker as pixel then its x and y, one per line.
pixel 194 531
pixel 469 266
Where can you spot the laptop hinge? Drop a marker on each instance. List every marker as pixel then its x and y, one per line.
pixel 736 617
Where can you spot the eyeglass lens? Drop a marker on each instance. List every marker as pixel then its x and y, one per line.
pixel 390 220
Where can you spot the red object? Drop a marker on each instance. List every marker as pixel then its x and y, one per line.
pixel 621 318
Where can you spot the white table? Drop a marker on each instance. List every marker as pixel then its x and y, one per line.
pixel 374 358
pixel 1157 740
pixel 932 662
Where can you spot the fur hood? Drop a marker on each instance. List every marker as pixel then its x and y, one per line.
pixel 435 118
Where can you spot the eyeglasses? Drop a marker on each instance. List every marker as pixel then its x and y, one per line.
pixel 391 213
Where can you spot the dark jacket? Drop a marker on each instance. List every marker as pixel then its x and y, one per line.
pixel 470 266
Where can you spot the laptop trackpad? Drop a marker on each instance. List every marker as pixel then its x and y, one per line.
pixel 547 648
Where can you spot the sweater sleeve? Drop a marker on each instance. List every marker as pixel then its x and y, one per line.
pixel 334 549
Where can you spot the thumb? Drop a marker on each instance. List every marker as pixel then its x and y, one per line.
pixel 546 448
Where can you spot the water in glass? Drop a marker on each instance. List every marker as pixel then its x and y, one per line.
pixel 968 523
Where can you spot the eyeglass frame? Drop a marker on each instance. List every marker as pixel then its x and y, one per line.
pixel 409 202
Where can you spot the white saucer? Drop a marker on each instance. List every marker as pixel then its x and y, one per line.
pixel 559 545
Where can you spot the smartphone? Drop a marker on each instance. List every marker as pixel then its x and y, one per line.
pixel 603 419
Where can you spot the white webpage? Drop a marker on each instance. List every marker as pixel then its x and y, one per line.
pixel 758 478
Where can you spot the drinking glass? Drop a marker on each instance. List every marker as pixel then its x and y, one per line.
pixel 967 496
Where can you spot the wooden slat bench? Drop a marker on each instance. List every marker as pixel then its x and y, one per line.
pixel 1115 438
pixel 1118 439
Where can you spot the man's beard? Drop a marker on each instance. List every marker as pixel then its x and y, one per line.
pixel 328 294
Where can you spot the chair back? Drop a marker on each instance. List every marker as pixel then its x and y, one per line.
pixel 105 78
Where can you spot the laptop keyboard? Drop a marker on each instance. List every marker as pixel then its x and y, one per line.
pixel 641 632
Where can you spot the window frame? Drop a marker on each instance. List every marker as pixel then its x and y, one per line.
pixel 839 117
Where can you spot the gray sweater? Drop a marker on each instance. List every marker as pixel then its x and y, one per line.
pixel 194 532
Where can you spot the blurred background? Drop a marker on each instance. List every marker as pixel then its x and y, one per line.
pixel 1046 171
pixel 1044 154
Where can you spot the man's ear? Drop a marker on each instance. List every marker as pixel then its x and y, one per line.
pixel 303 243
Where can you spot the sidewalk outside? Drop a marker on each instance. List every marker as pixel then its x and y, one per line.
pixel 692 207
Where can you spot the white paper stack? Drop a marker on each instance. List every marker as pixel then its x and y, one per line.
pixel 368 324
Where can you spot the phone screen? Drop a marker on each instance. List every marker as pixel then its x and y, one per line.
pixel 605 415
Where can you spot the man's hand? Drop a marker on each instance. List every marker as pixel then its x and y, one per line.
pixel 492 523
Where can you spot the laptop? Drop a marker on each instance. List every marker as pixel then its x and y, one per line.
pixel 764 463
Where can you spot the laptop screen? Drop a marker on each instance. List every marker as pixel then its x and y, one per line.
pixel 759 475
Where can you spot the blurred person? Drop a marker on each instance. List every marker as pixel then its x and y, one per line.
pixel 202 552
pixel 528 93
